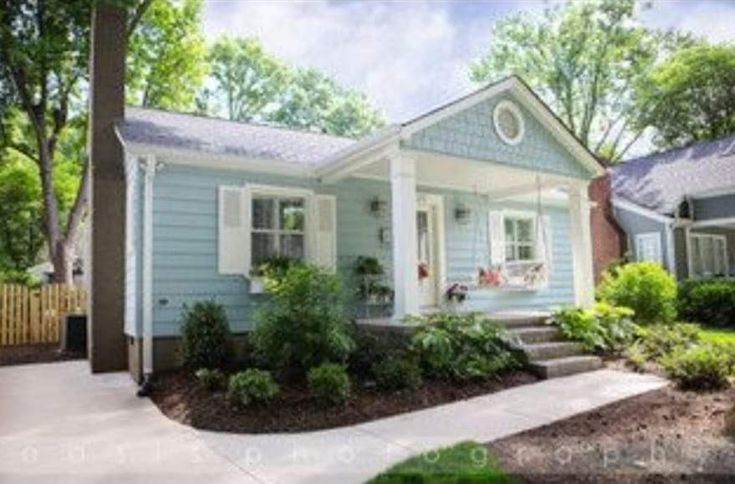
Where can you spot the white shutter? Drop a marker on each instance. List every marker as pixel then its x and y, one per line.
pixel 544 240
pixel 234 230
pixel 496 236
pixel 325 231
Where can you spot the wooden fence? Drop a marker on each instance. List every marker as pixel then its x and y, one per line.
pixel 35 315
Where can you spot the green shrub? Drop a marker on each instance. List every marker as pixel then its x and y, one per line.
pixel 603 328
pixel 702 367
pixel 304 321
pixel 462 346
pixel 252 386
pixel 212 380
pixel 645 287
pixel 659 340
pixel 205 335
pixel 373 345
pixel 329 383
pixel 636 356
pixel 21 278
pixel 710 302
pixel 397 372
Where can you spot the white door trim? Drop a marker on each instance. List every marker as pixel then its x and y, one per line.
pixel 436 202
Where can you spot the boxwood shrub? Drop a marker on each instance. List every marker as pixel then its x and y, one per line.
pixel 205 335
pixel 710 302
pixel 252 386
pixel 329 383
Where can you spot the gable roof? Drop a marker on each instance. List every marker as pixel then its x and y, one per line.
pixel 230 138
pixel 661 181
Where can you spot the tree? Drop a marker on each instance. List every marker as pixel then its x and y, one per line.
pixel 44 59
pixel 249 84
pixel 584 58
pixel 698 87
pixel 167 56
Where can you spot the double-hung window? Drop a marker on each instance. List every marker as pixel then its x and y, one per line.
pixel 708 255
pixel 278 227
pixel 648 247
pixel 520 238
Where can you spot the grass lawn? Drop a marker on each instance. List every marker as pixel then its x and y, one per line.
pixel 468 462
pixel 718 335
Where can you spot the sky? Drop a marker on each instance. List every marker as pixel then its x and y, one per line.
pixel 409 56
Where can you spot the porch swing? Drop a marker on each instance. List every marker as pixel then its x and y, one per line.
pixel 502 274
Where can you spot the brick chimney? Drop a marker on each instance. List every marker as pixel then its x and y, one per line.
pixel 608 239
pixel 107 350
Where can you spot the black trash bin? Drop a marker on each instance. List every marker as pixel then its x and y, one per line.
pixel 75 334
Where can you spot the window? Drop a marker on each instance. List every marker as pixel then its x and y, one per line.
pixel 648 247
pixel 278 227
pixel 520 243
pixel 508 122
pixel 708 255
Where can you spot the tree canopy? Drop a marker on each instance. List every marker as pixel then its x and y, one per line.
pixel 584 58
pixel 698 86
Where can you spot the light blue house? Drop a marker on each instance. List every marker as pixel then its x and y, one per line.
pixel 489 191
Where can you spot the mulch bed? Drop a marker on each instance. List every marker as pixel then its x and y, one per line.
pixel 664 436
pixel 40 353
pixel 178 396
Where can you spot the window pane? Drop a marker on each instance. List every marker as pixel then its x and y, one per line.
pixel 263 213
pixel 292 214
pixel 525 230
pixel 292 246
pixel 264 247
pixel 422 227
pixel 708 255
pixel 696 256
pixel 509 253
pixel 525 252
pixel 509 232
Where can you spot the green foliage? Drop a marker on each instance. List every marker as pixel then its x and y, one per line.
pixel 465 463
pixel 21 212
pixel 710 302
pixel 372 345
pixel 659 340
pixel 645 287
pixel 702 367
pixel 462 346
pixel 584 59
pixel 688 97
pixel 205 335
pixel 329 383
pixel 396 372
pixel 274 269
pixel 303 323
pixel 211 379
pixel 22 278
pixel 167 56
pixel 252 386
pixel 603 328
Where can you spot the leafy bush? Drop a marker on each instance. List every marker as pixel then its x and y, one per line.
pixel 645 287
pixel 636 356
pixel 702 367
pixel 211 380
pixel 397 372
pixel 329 383
pixel 205 335
pixel 371 345
pixel 304 322
pixel 660 340
pixel 273 269
pixel 462 346
pixel 21 278
pixel 252 386
pixel 710 302
pixel 602 328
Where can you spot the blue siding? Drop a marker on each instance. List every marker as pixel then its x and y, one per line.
pixel 634 224
pixel 714 207
pixel 471 134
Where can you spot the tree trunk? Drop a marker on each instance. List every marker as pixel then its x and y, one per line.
pixel 63 262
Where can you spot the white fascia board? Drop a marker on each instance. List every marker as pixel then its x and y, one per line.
pixel 361 154
pixel 644 212
pixel 203 159
pixel 713 222
pixel 720 192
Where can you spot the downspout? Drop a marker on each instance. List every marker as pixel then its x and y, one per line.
pixel 149 172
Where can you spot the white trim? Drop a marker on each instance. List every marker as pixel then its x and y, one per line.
pixel 363 153
pixel 688 241
pixel 280 190
pixel 713 222
pixel 581 241
pixel 712 193
pixel 510 106
pixel 149 172
pixel 642 211
pixel 644 237
pixel 437 202
pixel 670 249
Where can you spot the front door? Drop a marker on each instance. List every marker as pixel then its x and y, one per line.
pixel 427 219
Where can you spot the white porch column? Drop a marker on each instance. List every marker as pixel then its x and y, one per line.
pixel 581 243
pixel 403 229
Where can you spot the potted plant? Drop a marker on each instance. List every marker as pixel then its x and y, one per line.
pixel 456 294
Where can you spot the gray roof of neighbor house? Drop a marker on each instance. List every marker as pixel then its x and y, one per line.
pixel 661 181
pixel 224 137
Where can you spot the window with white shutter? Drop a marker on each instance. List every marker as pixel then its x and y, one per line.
pixel 496 237
pixel 325 253
pixel 234 230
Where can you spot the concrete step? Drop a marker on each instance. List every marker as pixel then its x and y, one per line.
pixel 536 334
pixel 547 351
pixel 570 365
pixel 520 321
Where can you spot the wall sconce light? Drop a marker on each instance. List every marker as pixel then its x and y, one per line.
pixel 462 214
pixel 385 236
pixel 377 206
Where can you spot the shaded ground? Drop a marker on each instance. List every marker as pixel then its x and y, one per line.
pixel 179 396
pixel 40 353
pixel 663 436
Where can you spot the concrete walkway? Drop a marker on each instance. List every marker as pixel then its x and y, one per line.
pixel 60 424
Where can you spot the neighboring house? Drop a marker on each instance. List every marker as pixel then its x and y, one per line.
pixel 492 181
pixel 678 208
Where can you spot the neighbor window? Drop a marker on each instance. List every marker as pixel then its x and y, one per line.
pixel 278 227
pixel 520 243
pixel 708 255
pixel 648 247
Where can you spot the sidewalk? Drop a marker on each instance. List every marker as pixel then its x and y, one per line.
pixel 58 423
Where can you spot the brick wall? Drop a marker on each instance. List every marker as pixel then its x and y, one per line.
pixel 608 239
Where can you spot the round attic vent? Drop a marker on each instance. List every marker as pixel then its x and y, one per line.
pixel 508 122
